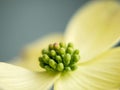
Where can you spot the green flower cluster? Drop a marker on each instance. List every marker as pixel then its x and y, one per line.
pixel 59 57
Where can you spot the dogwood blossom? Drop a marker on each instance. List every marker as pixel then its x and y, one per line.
pixel 94 31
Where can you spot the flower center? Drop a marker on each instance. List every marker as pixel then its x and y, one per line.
pixel 59 57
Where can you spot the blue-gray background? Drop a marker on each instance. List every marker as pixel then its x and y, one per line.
pixel 23 21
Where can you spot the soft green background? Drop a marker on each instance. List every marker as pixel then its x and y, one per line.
pixel 23 21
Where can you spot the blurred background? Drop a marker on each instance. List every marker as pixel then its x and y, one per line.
pixel 24 21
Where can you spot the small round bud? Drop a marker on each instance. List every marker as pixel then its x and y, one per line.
pixel 67 69
pixel 40 59
pixel 48 68
pixel 76 51
pixel 56 46
pixel 67 59
pixel 44 51
pixel 62 44
pixel 60 67
pixel 69 50
pixel 62 55
pixel 52 63
pixel 70 45
pixel 58 58
pixel 62 51
pixel 75 58
pixel 42 64
pixel 52 53
pixel 73 67
pixel 50 46
pixel 45 58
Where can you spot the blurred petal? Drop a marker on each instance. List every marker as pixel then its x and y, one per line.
pixel 95 28
pixel 16 78
pixel 102 73
pixel 32 52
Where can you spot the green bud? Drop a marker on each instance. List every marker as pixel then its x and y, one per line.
pixel 73 67
pixel 67 69
pixel 44 51
pixel 48 68
pixel 62 51
pixel 62 44
pixel 45 58
pixel 60 67
pixel 76 51
pixel 40 59
pixel 62 55
pixel 50 46
pixel 56 46
pixel 69 50
pixel 52 63
pixel 75 58
pixel 53 53
pixel 70 45
pixel 58 58
pixel 67 59
pixel 42 64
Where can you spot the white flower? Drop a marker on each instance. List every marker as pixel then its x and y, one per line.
pixel 94 31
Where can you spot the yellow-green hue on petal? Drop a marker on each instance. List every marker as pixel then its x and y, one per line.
pixel 101 73
pixel 32 52
pixel 95 28
pixel 16 78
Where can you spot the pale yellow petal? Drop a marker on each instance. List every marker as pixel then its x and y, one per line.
pixel 102 73
pixel 95 28
pixel 17 78
pixel 31 53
